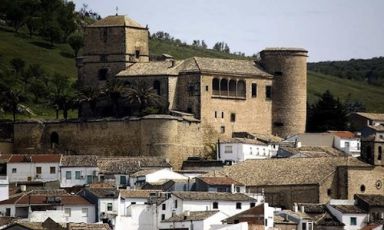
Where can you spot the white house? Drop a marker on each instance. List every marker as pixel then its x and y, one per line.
pixel 347 142
pixel 348 213
pixel 78 170
pixel 240 149
pixel 141 177
pixel 36 206
pixel 35 167
pixel 227 203
pixel 4 188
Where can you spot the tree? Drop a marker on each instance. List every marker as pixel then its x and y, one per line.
pixel 18 65
pixel 11 101
pixel 203 44
pixel 76 41
pixel 59 88
pixel 90 95
pixel 16 14
pixel 327 114
pixel 114 90
pixel 53 32
pixel 33 24
pixel 144 96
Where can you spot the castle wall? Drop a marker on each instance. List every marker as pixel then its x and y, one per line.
pixel 289 91
pixel 154 135
pixel 137 39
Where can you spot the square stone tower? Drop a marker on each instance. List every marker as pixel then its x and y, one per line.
pixel 111 44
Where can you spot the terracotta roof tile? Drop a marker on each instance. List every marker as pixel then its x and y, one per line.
pixel 79 161
pixel 36 158
pixel 191 216
pixel 223 196
pixel 371 200
pixel 219 181
pixel 129 165
pixel 136 193
pixel 344 134
pixel 348 209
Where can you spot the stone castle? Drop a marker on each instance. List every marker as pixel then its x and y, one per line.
pixel 207 98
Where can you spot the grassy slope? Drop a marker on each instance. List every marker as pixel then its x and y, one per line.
pixel 371 96
pixel 59 59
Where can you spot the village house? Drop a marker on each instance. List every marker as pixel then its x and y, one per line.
pixel 140 178
pixel 53 225
pixel 36 206
pixel 34 167
pixel 218 184
pixel 347 142
pixel 373 205
pixel 78 170
pixel 358 121
pixel 348 213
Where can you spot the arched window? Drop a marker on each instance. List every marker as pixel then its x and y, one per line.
pixel 224 87
pixel 215 86
pixel 232 88
pixel 54 139
pixel 156 86
pixel 241 88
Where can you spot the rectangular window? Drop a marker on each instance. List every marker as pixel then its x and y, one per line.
pixel 254 90
pixel 252 205
pixel 353 221
pixel 215 114
pixel 175 203
pixel 14 170
pixel 228 149
pixel 233 117
pixel 68 175
pixel 109 206
pixel 8 212
pixel 222 114
pixel 268 92
pixel 38 170
pixel 162 216
pixel 123 180
pixel 67 212
pixel 222 129
pixel 238 205
pixel 84 212
pixel 206 88
pixel 52 170
pixel 215 205
pixel 304 226
pixel 137 54
pixel 133 202
pixel 77 175
pixel 163 206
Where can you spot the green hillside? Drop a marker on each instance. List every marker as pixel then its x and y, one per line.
pixel 60 59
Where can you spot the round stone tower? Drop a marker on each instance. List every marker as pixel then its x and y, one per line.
pixel 289 90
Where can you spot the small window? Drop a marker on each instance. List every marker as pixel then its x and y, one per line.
pixel 362 188
pixel 252 205
pixel 206 88
pixel 222 114
pixel 162 216
pixel 109 206
pixel 8 212
pixel 137 54
pixel 278 73
pixel 254 90
pixel 215 114
pixel 133 202
pixel 84 212
pixel 238 205
pixel 38 170
pixel 67 212
pixel 222 129
pixel 189 110
pixel 228 149
pixel 175 203
pixel 68 175
pixel 14 170
pixel 268 92
pixel 52 170
pixel 77 175
pixel 103 74
pixel 237 189
pixel 353 221
pixel 329 192
pixel 163 206
pixel 233 117
pixel 215 205
pixel 236 221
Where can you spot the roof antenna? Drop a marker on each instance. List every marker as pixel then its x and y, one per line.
pixel 117 10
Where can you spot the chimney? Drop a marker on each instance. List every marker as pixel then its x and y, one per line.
pixel 295 207
pixel 302 208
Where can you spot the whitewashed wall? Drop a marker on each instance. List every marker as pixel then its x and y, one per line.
pixel 26 170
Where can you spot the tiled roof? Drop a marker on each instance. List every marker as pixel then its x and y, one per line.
pixel 163 185
pixel 344 134
pixel 285 171
pixel 373 116
pixel 4 157
pixel 371 200
pixel 85 226
pixel 219 181
pixel 144 172
pixel 129 165
pixel 238 140
pixel 104 192
pixel 79 161
pixel 314 139
pixel 206 165
pixel 42 199
pixel 320 214
pixel 292 49
pixel 163 68
pixel 256 213
pixel 119 20
pixel 136 193
pixel 349 209
pixel 313 151
pixel 223 196
pixel 191 216
pixel 36 158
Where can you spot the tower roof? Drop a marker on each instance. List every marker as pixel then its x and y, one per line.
pixel 119 20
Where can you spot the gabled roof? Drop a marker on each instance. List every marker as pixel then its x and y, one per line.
pixel 219 180
pixel 35 158
pixel 124 193
pixel 349 209
pixel 154 68
pixel 145 172
pixel 129 165
pixel 313 151
pixel 373 116
pixel 119 20
pixel 213 196
pixel 344 134
pixel 286 171
pixel 256 213
pixel 320 214
pixel 104 192
pixel 371 199
pixel 238 140
pixel 79 161
pixel 191 216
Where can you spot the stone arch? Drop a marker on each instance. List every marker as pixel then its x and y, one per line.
pixel 224 87
pixel 232 88
pixel 215 86
pixel 241 88
pixel 156 86
pixel 54 139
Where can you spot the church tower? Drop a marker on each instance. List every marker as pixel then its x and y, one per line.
pixel 372 145
pixel 110 45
